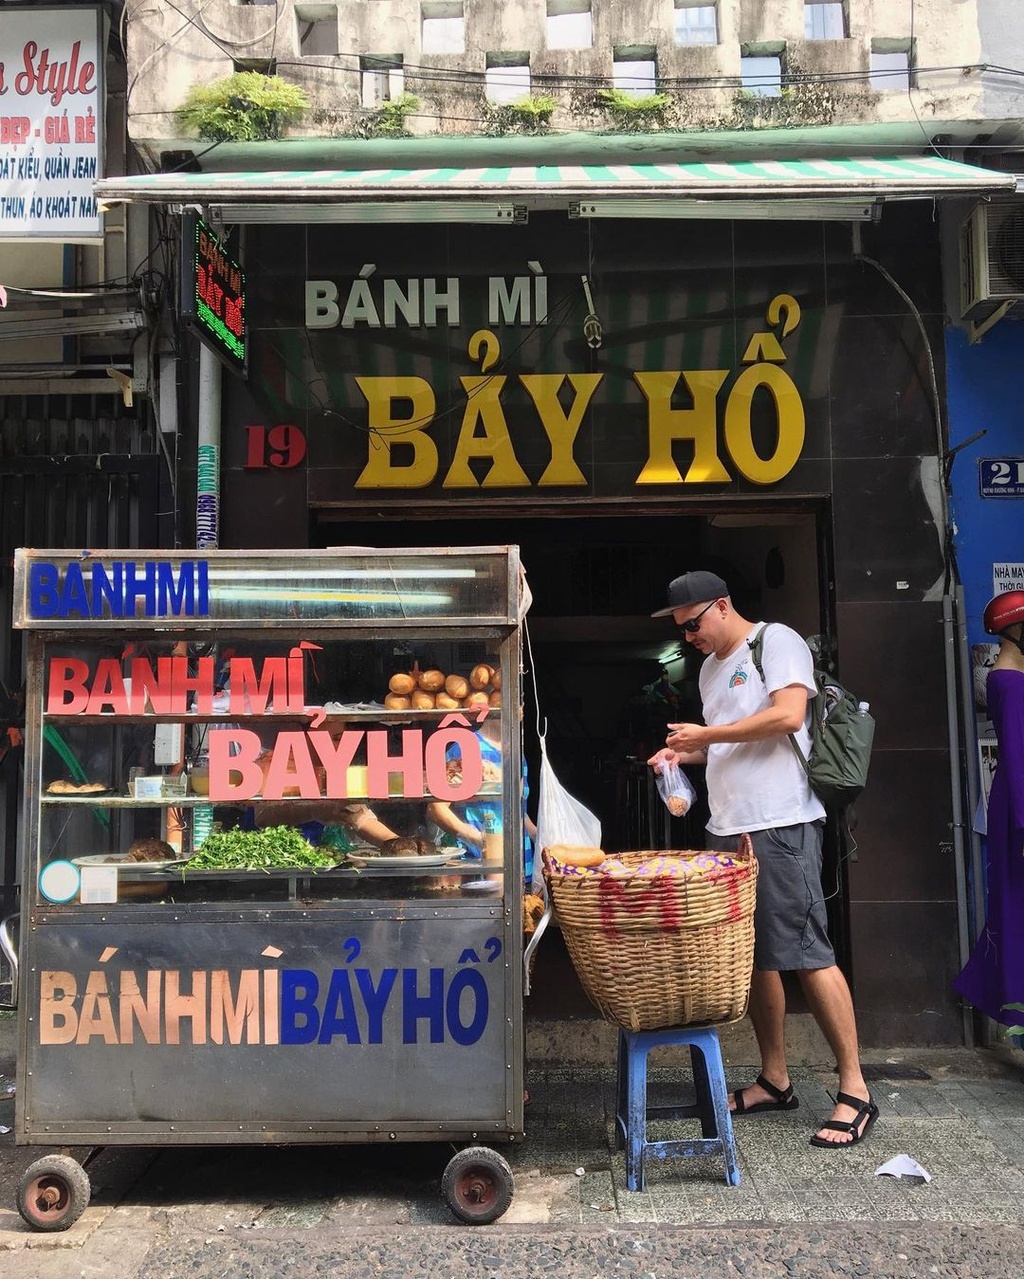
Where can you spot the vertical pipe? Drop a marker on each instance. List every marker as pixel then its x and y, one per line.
pixel 207 505
pixel 953 707
pixel 208 452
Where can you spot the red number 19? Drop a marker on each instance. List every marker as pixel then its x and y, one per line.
pixel 280 446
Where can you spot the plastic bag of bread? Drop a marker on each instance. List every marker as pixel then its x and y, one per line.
pixel 674 788
pixel 561 818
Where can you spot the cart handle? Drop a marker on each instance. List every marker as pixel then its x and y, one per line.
pixel 10 951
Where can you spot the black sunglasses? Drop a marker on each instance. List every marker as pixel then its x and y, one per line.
pixel 692 625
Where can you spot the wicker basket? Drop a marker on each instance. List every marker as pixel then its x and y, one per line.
pixel 657 951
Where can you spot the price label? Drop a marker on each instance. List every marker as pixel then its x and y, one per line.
pixel 1001 476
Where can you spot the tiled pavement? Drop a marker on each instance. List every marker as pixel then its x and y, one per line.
pixel 963 1121
pixel 967 1132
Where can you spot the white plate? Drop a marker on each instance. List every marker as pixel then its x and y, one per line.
pixel 482 887
pixel 121 859
pixel 431 861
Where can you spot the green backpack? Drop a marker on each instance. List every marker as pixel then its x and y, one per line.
pixel 842 733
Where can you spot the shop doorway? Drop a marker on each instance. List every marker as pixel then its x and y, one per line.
pixel 605 675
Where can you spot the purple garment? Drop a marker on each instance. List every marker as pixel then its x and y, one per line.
pixel 994 974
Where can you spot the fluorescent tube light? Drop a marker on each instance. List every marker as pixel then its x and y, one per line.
pixel 767 210
pixel 363 211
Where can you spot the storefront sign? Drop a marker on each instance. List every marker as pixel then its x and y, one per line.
pixel 129 588
pixel 51 113
pixel 417 303
pixel 213 293
pixel 708 412
pixel 1001 476
pixel 318 764
pixel 361 1004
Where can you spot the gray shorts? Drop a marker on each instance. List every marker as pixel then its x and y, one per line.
pixel 790 921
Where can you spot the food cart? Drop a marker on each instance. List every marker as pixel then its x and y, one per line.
pixel 176 996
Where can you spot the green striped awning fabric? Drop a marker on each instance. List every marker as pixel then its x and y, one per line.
pixel 923 175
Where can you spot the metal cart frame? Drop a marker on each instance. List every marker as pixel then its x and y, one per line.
pixel 159 1022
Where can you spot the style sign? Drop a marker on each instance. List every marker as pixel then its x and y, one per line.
pixel 51 123
pixel 1001 476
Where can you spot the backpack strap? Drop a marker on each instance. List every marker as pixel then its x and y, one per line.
pixel 756 646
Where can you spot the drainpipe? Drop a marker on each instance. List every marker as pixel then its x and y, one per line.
pixel 208 452
pixel 958 750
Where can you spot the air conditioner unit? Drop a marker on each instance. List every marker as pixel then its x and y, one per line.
pixel 992 254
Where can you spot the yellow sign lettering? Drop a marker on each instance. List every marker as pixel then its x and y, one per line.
pixel 789 412
pixel 387 432
pixel 483 409
pixel 666 424
pixel 561 427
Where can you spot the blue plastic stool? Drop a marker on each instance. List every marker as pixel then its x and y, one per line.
pixel 712 1109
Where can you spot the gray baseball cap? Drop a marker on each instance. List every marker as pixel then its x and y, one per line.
pixel 697 587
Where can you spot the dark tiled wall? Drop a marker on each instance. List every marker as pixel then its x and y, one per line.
pixel 692 301
pixel 902 886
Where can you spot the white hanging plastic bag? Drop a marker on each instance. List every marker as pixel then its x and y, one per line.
pixel 561 818
pixel 674 788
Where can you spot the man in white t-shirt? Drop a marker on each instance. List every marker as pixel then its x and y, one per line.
pixel 756 785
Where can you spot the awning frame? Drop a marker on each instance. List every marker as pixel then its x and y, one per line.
pixel 849 188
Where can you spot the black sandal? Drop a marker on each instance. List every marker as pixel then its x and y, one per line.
pixel 867 1112
pixel 783 1099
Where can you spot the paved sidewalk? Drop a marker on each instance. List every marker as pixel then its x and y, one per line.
pixel 964 1126
pixel 961 1118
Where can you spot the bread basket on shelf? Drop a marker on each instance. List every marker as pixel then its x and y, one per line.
pixel 656 949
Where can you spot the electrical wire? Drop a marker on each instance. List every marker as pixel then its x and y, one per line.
pixel 550 329
pixel 911 76
pixel 163 46
pixel 92 292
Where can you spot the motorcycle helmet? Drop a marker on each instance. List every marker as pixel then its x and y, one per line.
pixel 1003 611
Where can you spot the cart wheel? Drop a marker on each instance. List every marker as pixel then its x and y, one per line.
pixel 477 1185
pixel 54 1193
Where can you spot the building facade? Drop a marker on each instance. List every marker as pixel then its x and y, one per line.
pixel 641 290
pixel 80 457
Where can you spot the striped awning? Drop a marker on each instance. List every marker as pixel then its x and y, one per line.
pixel 554 186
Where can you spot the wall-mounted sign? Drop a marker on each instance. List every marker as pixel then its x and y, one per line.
pixel 1001 476
pixel 51 123
pixel 1007 577
pixel 213 292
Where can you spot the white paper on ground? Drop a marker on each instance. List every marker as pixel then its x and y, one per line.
pixel 902 1166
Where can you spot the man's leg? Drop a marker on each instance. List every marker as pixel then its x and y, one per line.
pixel 829 998
pixel 768 1017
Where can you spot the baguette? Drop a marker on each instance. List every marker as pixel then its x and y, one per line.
pixel 576 854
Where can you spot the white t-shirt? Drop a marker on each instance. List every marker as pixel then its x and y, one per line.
pixel 756 785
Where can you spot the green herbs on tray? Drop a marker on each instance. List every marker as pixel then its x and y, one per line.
pixel 274 848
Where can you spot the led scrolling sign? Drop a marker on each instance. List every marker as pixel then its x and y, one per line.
pixel 213 293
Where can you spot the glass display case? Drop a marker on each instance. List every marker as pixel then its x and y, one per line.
pixel 191 771
pixel 349 745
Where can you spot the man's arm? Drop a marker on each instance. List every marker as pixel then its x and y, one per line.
pixel 785 715
pixel 666 756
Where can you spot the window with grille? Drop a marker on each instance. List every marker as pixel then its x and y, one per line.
pixel 695 22
pixel 824 21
